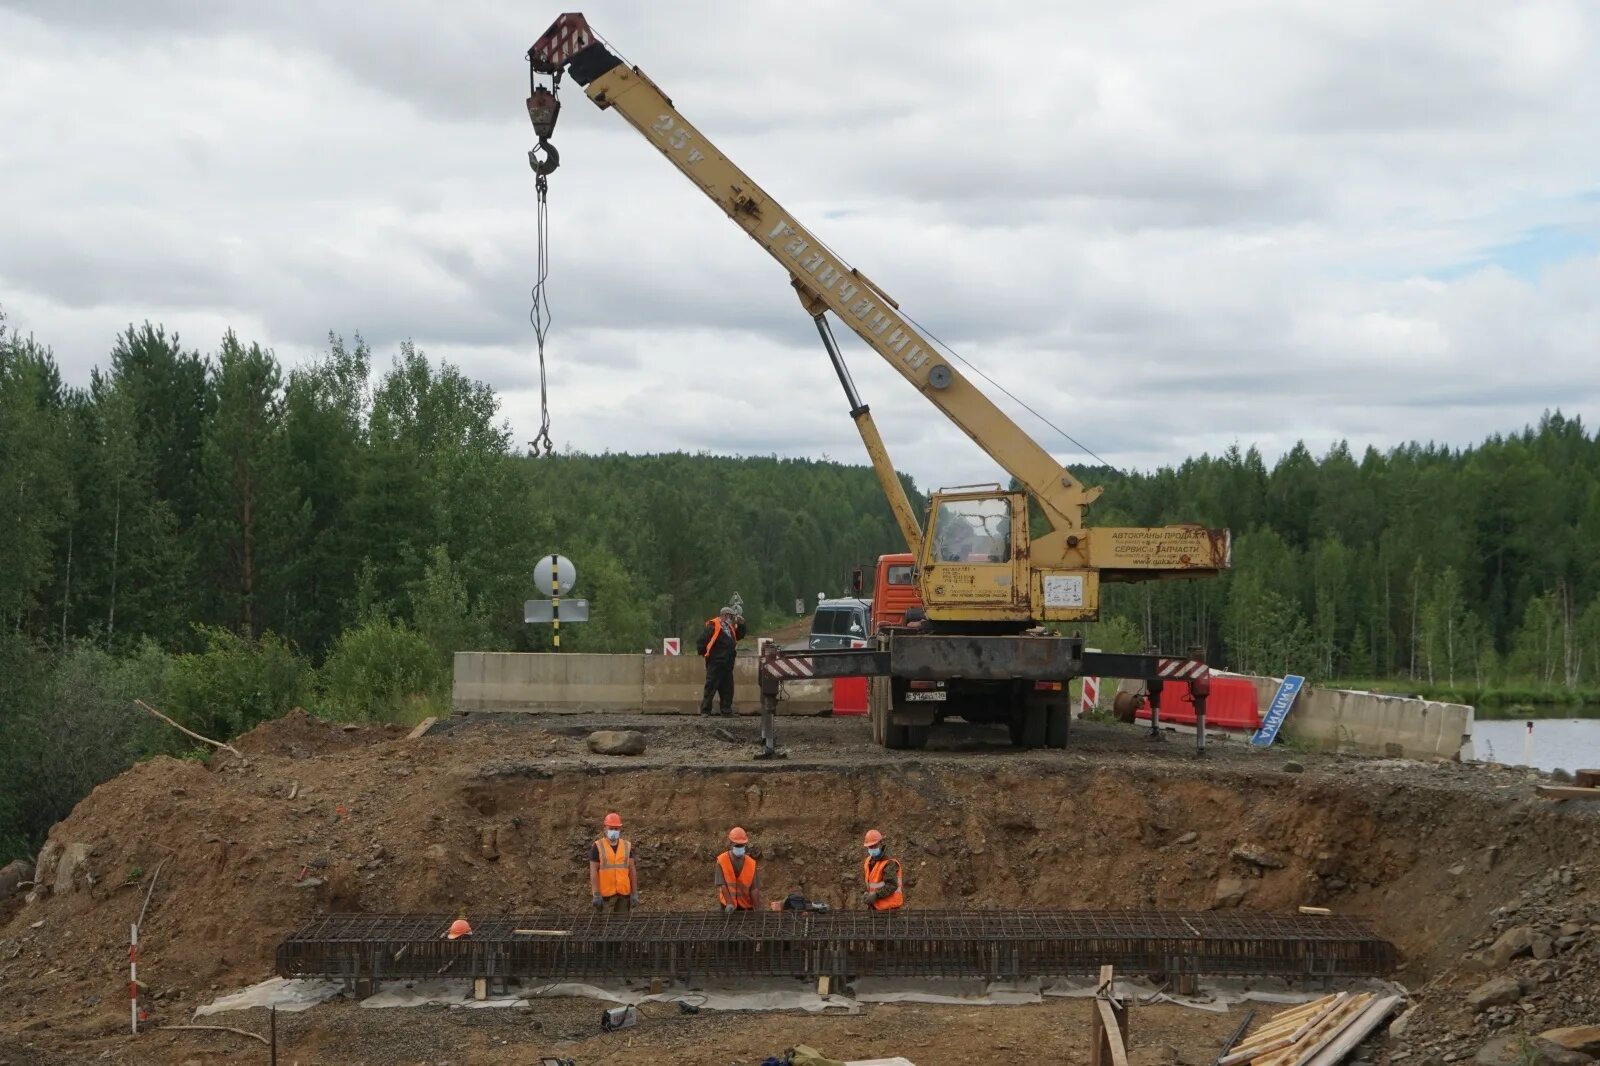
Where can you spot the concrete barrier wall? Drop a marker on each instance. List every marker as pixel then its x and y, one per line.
pixel 1346 720
pixel 579 681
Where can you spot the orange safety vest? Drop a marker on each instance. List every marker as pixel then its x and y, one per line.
pixel 716 631
pixel 873 871
pixel 614 878
pixel 735 889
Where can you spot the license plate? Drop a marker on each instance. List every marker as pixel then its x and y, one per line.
pixel 925 696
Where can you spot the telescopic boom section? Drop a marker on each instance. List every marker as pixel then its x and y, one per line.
pixel 824 281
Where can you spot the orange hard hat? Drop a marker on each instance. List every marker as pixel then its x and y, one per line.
pixel 613 820
pixel 458 929
pixel 872 839
pixel 737 835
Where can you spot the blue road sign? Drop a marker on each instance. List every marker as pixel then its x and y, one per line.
pixel 1281 702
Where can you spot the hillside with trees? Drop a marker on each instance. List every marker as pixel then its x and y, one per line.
pixel 228 538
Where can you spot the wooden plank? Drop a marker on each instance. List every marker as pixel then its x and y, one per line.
pixel 1586 778
pixel 1265 1043
pixel 823 983
pixel 1335 1051
pixel 1315 910
pixel 1567 792
pixel 480 988
pixel 1328 1029
pixel 1285 1023
pixel 422 727
pixel 1287 1020
pixel 1113 1033
pixel 542 932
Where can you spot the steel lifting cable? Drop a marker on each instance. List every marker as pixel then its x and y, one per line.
pixel 539 316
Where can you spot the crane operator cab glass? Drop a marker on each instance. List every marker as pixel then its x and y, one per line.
pixel 971 555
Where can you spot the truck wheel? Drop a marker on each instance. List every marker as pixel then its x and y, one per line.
pixel 878 709
pixel 898 737
pixel 1014 725
pixel 917 736
pixel 1058 715
pixel 1033 725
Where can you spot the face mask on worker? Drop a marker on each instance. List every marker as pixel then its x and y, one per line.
pixel 875 852
pixel 738 851
pixel 613 835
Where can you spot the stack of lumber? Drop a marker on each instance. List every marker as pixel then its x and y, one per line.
pixel 1320 1033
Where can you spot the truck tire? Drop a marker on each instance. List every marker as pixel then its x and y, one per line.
pixel 878 709
pixel 917 736
pixel 1014 725
pixel 1034 731
pixel 1058 715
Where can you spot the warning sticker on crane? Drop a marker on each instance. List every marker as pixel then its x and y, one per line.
pixel 1063 590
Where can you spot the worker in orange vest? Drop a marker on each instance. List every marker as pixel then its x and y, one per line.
pixel 719 644
pixel 884 891
pixel 613 879
pixel 737 883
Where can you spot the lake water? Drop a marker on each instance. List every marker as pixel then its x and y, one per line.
pixel 1554 744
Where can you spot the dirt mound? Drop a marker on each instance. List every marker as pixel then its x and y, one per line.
pixel 496 813
pixel 300 735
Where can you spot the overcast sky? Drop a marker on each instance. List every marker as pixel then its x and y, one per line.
pixel 1168 226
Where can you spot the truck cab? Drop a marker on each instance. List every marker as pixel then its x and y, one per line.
pixel 894 590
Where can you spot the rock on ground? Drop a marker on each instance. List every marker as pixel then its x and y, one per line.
pixel 1584 1038
pixel 617 742
pixel 14 873
pixel 1512 943
pixel 1230 892
pixel 1497 993
pixel 1259 857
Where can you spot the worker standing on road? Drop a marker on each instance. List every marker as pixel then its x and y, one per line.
pixel 613 879
pixel 737 883
pixel 883 891
pixel 719 643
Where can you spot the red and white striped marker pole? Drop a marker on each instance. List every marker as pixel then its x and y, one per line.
pixel 133 977
pixel 1091 696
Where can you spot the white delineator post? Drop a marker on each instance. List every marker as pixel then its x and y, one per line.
pixel 1527 746
pixel 133 978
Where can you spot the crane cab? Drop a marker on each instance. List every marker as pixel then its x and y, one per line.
pixel 978 564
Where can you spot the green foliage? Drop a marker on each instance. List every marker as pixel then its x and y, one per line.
pixel 236 683
pixel 382 671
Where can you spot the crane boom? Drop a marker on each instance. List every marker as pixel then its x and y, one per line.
pixel 984 560
pixel 823 279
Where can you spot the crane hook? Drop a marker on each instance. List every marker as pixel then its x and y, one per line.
pixel 547 164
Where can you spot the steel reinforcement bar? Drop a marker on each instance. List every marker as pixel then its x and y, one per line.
pixel 692 946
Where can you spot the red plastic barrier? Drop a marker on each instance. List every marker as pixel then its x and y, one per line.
pixel 849 695
pixel 1232 704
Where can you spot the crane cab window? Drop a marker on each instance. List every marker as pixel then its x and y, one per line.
pixel 899 574
pixel 973 531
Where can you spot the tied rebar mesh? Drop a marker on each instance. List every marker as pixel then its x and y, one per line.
pixel 986 944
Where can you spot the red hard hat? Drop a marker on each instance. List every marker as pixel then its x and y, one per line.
pixel 613 820
pixel 736 835
pixel 872 838
pixel 458 929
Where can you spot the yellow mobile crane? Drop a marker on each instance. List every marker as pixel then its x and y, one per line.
pixel 990 573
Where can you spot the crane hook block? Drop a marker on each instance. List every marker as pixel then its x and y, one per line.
pixel 543 110
pixel 548 163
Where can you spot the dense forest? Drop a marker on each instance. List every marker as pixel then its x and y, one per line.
pixel 228 538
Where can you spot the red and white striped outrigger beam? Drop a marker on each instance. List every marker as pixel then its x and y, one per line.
pixel 1181 670
pixel 787 667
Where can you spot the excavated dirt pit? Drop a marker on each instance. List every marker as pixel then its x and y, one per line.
pixel 495 813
